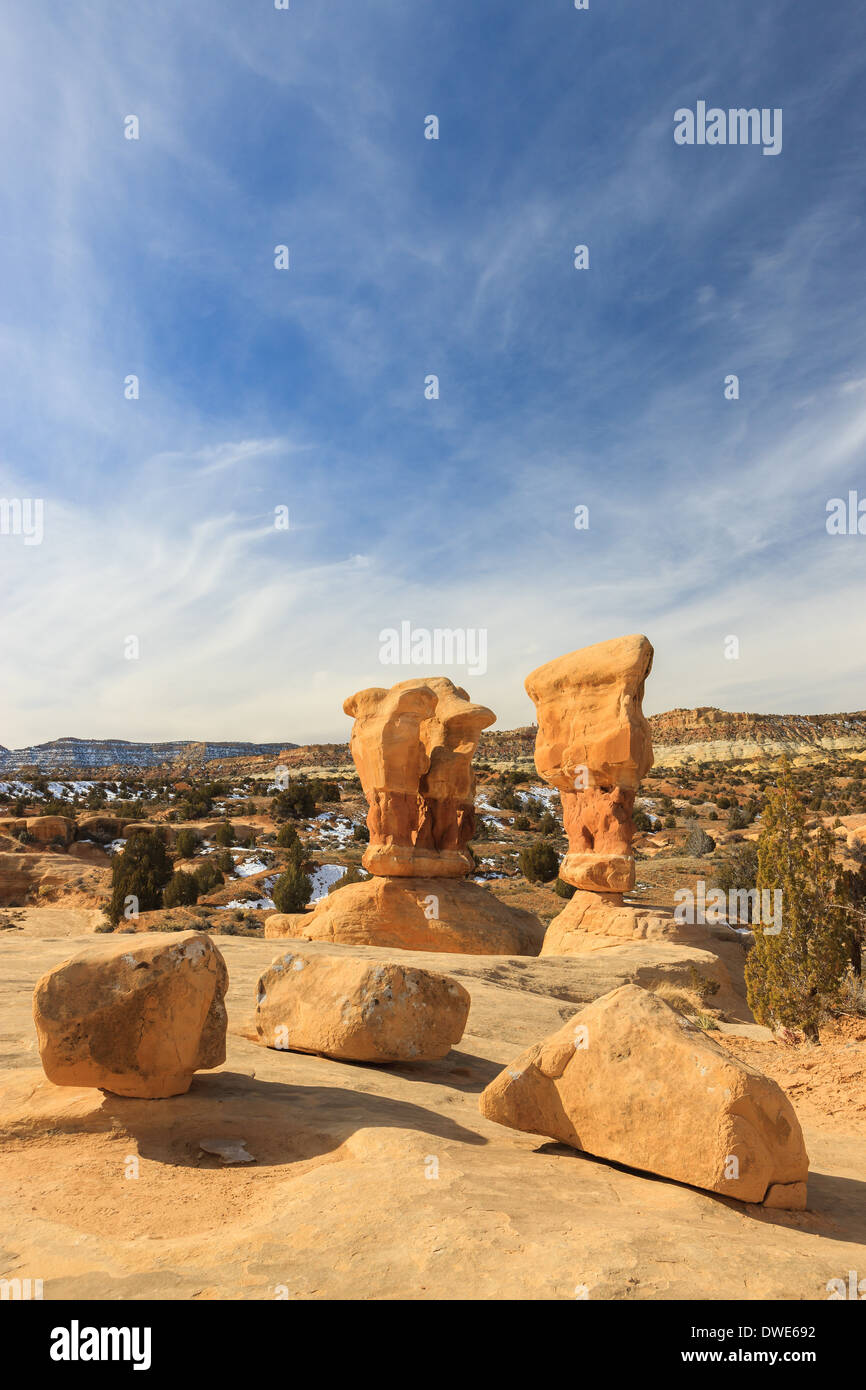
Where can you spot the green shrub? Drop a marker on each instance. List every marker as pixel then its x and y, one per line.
pixel 361 834
pixel 224 861
pixel 292 890
pixel 539 862
pixel 352 875
pixel 225 834
pixel 187 843
pixel 563 889
pixel 287 836
pixel 208 876
pixel 294 802
pixel 181 890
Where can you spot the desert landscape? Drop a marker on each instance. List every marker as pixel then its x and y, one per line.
pixel 371 1020
pixel 432 713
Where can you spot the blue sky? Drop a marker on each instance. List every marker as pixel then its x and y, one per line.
pixel 305 388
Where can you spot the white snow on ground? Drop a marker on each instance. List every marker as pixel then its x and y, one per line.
pixel 115 847
pixel 58 791
pixel 540 792
pixel 323 878
pixel 256 905
pixel 333 827
pixel 549 795
pixel 245 867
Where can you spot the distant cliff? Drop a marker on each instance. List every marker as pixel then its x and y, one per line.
pixel 703 735
pixel 81 754
pixel 711 735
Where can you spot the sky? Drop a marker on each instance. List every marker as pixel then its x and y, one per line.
pixel 164 600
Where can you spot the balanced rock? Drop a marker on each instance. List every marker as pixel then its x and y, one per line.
pixel 134 1015
pixel 413 747
pixel 630 1080
pixel 359 1010
pixel 416 914
pixel 594 745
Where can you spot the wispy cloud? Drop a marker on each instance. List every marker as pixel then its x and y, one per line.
pixel 304 389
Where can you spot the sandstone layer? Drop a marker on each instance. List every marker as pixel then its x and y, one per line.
pixel 631 1080
pixel 136 1016
pixel 355 1009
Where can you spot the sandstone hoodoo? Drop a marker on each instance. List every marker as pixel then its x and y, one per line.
pixel 594 746
pixel 631 1080
pixel 360 1010
pixel 413 747
pixel 137 1016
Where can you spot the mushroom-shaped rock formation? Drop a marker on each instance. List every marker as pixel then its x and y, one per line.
pixel 413 747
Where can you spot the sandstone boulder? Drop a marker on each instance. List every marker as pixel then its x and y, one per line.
pixel 413 747
pixel 416 914
pixel 594 745
pixel 135 1016
pixel 630 1080
pixel 101 828
pixel 151 828
pixel 45 830
pixel 359 1010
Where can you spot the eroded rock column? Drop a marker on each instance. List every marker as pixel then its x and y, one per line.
pixel 413 747
pixel 594 746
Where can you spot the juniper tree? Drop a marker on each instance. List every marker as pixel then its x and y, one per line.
pixel 292 890
pixel 793 976
pixel 181 890
pixel 140 872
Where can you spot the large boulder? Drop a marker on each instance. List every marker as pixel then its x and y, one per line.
pixel 100 827
pixel 416 914
pixel 630 1080
pixel 358 1010
pixel 47 830
pixel 150 828
pixel 134 1015
pixel 413 747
